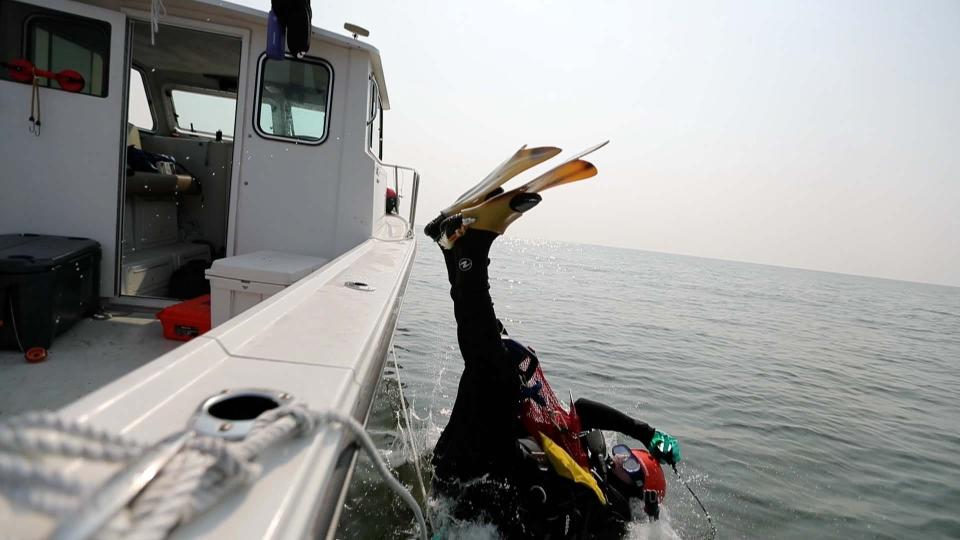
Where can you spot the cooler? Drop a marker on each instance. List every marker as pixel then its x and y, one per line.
pixel 239 283
pixel 47 283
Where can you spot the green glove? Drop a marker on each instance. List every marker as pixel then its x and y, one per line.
pixel 665 448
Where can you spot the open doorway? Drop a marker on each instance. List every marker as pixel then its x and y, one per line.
pixel 181 110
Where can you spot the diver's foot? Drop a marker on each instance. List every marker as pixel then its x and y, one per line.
pixel 494 215
pixel 451 229
pixel 498 213
pixel 435 228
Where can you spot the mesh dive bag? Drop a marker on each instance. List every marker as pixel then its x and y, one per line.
pixel 548 416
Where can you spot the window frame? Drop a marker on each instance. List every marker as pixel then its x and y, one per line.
pixel 375 114
pixel 27 45
pixel 261 62
pixel 150 101
pixel 172 109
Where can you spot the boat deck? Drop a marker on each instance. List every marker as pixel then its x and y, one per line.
pixel 322 341
pixel 85 358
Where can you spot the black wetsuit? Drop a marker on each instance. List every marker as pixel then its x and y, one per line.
pixel 477 461
pixel 480 439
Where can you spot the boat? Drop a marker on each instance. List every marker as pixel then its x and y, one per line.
pixel 164 133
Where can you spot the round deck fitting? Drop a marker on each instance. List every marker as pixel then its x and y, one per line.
pixel 360 286
pixel 232 413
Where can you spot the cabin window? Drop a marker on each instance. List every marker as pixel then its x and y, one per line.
pixel 293 99
pixel 139 113
pixel 56 41
pixel 203 113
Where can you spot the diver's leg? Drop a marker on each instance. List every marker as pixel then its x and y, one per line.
pixel 479 439
pixel 478 331
pixel 595 415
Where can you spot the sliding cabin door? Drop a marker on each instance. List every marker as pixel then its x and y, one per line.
pixel 183 106
pixel 62 178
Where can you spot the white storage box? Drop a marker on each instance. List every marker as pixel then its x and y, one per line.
pixel 146 272
pixel 239 283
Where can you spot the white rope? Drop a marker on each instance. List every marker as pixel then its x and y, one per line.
pixel 197 477
pixel 157 11
pixel 374 455
pixel 409 432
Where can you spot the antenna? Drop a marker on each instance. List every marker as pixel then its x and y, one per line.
pixel 356 30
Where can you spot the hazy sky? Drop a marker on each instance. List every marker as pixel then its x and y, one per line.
pixel 821 135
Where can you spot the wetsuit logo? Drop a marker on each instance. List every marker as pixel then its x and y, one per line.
pixel 465 264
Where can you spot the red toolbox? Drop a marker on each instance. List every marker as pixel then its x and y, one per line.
pixel 186 320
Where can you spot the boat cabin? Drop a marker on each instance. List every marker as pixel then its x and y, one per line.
pixel 164 137
pixel 186 142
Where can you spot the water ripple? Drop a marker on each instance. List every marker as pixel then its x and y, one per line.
pixel 808 404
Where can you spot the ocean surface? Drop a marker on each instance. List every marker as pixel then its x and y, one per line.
pixel 807 404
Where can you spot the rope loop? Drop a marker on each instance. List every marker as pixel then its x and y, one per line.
pixel 195 478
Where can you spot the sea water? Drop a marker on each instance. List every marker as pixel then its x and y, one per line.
pixel 807 404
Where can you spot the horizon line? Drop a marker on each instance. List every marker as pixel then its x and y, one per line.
pixel 771 265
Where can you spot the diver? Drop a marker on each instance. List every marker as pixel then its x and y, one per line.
pixel 511 453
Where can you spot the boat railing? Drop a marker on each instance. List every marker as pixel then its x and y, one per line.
pixel 406 182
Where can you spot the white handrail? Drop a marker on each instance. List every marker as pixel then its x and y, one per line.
pixel 396 182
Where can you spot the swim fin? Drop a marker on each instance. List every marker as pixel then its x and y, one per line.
pixel 521 160
pixel 496 213
pixel 499 212
pixel 506 210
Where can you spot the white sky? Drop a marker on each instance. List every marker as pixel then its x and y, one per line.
pixel 821 135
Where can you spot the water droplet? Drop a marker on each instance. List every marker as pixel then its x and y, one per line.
pixel 188 158
pixel 213 174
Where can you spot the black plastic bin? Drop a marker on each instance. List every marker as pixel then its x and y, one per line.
pixel 47 283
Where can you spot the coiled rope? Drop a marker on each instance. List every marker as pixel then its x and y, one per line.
pixel 199 475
